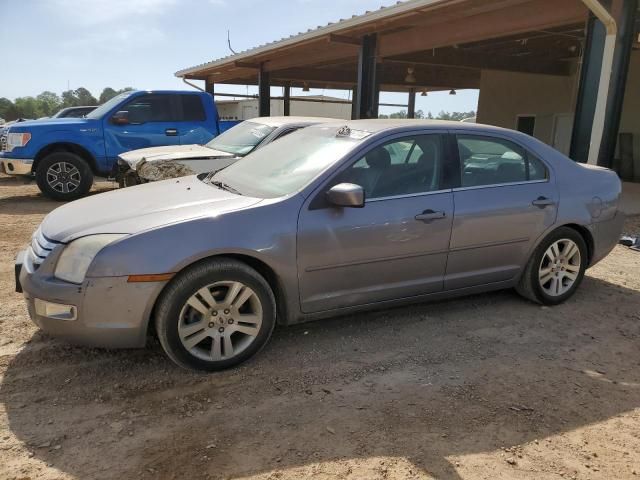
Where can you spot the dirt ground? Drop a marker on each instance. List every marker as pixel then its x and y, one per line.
pixel 485 387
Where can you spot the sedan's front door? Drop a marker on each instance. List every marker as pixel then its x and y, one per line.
pixel 506 200
pixel 394 247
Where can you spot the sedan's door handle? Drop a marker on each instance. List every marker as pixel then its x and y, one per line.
pixel 171 132
pixel 429 216
pixel 542 202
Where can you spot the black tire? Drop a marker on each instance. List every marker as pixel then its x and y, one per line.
pixel 72 183
pixel 530 286
pixel 182 287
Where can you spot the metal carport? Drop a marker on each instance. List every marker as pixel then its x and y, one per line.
pixel 426 45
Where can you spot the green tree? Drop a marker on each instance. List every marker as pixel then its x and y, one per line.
pixel 7 109
pixel 400 114
pixel 28 107
pixel 48 103
pixel 69 99
pixel 85 97
pixel 107 94
pixel 455 116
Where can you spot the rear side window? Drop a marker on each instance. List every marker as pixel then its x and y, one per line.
pixel 150 108
pixel 192 109
pixel 495 161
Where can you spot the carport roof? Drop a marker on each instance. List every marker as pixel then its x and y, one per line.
pixel 444 42
pixel 312 33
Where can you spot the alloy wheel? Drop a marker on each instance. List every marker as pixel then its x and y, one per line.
pixel 63 177
pixel 220 320
pixel 560 267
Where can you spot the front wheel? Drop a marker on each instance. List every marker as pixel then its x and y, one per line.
pixel 215 315
pixel 556 268
pixel 64 176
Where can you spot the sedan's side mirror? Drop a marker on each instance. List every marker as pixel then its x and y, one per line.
pixel 120 118
pixel 346 195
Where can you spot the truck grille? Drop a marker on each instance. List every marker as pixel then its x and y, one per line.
pixel 40 248
pixel 3 142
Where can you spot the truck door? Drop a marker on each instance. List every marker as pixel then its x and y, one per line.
pixel 151 120
pixel 196 126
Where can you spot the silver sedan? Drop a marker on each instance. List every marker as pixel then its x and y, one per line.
pixel 330 219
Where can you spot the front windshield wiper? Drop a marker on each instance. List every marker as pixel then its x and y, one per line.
pixel 220 185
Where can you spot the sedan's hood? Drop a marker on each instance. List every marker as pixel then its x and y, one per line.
pixel 171 152
pixel 135 209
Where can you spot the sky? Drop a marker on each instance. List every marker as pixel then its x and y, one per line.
pixel 59 44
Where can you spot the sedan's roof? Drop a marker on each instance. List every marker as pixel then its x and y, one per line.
pixel 375 125
pixel 292 120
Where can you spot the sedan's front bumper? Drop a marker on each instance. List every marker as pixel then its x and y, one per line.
pixel 16 166
pixel 108 312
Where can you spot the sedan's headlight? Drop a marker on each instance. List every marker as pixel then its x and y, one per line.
pixel 18 139
pixel 76 257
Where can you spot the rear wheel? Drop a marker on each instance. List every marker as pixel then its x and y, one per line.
pixel 215 315
pixel 556 268
pixel 64 176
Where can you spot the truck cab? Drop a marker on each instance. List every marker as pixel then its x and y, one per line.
pixel 64 154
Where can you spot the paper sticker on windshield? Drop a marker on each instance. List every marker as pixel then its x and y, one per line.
pixel 257 133
pixel 355 134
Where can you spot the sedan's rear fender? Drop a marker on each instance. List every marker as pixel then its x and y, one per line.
pixel 589 194
pixel 589 202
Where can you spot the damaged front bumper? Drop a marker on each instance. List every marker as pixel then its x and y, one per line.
pixel 107 312
pixel 126 176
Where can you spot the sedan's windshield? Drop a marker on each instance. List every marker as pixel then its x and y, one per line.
pixel 105 107
pixel 241 139
pixel 288 165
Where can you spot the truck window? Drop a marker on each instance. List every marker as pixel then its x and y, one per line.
pixel 150 108
pixel 192 109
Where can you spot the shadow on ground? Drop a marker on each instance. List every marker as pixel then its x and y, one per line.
pixel 421 383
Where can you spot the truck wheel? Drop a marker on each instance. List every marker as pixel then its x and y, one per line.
pixel 215 315
pixel 64 176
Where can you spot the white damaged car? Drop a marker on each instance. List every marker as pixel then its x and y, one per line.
pixel 159 163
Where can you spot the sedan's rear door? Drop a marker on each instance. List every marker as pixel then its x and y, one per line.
pixel 505 200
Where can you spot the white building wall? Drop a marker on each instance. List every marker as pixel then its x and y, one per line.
pixel 248 108
pixel 505 95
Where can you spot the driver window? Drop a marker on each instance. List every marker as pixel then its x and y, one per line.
pixel 150 108
pixel 402 167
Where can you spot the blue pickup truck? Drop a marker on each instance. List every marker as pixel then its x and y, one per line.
pixel 64 154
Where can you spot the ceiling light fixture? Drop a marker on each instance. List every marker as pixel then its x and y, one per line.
pixel 305 87
pixel 410 78
pixel 453 92
pixel 424 93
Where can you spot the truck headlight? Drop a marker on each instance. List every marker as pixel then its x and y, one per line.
pixel 18 139
pixel 76 257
